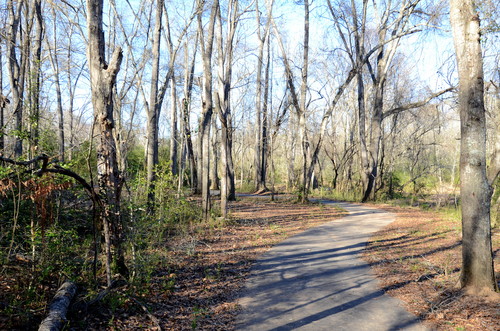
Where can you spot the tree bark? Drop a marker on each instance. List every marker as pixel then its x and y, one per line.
pixel 207 103
pixel 477 273
pixel 16 71
pixel 34 76
pixel 174 136
pixel 55 67
pixel 154 109
pixel 186 103
pixel 3 105
pixel 58 308
pixel 103 78
pixel 261 102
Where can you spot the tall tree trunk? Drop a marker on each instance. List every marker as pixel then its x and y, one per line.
pixel 34 76
pixel 3 105
pixel 475 188
pixel 304 140
pixel 214 182
pixel 154 110
pixel 207 103
pixel 16 71
pixel 264 150
pixel 54 61
pixel 103 78
pixel 260 107
pixel 223 101
pixel 174 136
pixel 186 104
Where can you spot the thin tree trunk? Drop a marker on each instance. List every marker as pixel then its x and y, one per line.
pixel 55 67
pixel 154 110
pixel 34 76
pixel 304 140
pixel 186 103
pixel 174 135
pixel 265 121
pixel 214 183
pixel 3 105
pixel 207 103
pixel 258 102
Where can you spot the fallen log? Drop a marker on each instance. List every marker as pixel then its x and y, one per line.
pixel 58 308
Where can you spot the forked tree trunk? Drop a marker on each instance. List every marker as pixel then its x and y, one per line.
pixel 186 103
pixel 103 78
pixel 260 161
pixel 475 188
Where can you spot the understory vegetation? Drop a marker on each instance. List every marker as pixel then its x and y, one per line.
pixel 50 233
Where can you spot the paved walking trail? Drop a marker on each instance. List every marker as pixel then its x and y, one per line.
pixel 317 281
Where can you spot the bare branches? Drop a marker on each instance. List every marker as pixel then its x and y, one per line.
pixel 417 104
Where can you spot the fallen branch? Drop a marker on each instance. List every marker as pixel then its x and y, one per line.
pixel 59 307
pixel 146 310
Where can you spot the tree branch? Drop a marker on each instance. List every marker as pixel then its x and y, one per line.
pixel 417 104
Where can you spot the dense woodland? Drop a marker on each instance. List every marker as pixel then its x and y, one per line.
pixel 123 122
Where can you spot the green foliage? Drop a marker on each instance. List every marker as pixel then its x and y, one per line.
pixel 48 142
pixel 135 160
pixel 148 231
pixel 82 157
pixel 246 187
pixel 336 194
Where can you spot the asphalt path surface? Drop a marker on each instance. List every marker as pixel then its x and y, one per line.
pixel 316 280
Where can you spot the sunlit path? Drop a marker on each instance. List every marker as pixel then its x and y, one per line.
pixel 317 281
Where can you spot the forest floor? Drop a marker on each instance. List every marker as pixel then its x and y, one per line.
pixel 199 273
pixel 199 280
pixel 418 258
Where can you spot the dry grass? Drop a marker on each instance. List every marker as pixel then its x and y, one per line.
pixel 418 261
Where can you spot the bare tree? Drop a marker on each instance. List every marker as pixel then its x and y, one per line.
pixel 103 78
pixel 16 65
pixel 53 50
pixel 260 162
pixel 298 100
pixel 36 30
pixel 174 135
pixel 475 179
pixel 186 104
pixel 206 44
pixel 154 108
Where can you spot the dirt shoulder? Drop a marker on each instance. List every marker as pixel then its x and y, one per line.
pixel 418 257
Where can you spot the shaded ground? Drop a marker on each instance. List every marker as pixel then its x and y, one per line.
pixel 207 268
pixel 418 258
pixel 199 273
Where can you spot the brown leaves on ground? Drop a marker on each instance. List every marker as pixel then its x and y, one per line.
pixel 418 259
pixel 197 285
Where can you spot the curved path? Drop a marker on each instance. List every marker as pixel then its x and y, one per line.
pixel 316 280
